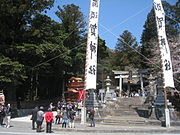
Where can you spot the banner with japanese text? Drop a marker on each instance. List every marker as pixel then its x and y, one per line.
pixel 163 44
pixel 92 46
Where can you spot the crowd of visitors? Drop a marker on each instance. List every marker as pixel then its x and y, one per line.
pixel 65 115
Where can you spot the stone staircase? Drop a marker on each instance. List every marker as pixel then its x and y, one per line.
pixel 123 112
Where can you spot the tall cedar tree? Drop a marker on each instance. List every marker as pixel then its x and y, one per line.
pixel 103 68
pixel 126 52
pixel 150 31
pixel 73 24
pixel 27 39
pixel 16 15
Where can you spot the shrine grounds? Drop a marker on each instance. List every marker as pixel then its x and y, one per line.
pixel 22 126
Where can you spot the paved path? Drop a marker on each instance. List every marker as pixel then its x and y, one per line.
pixel 24 124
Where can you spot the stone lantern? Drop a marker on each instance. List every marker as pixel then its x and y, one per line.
pixel 108 83
pixel 152 86
pixel 108 95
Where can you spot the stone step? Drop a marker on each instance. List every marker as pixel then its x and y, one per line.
pixel 119 108
pixel 131 101
pixel 119 113
pixel 127 121
pixel 123 106
pixel 123 122
pixel 122 112
pixel 124 119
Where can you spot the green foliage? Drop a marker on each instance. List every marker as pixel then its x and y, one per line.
pixel 172 19
pixel 102 49
pixel 149 34
pixel 44 30
pixel 15 17
pixel 11 72
pixel 39 56
pixel 31 40
pixel 104 67
pixel 125 54
pixel 72 22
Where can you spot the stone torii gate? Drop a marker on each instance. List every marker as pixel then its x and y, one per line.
pixel 125 74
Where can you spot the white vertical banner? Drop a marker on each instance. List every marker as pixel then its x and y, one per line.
pixel 92 46
pixel 163 43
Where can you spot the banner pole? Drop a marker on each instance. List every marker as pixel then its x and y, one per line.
pixel 91 52
pixel 166 110
pixel 83 110
pixel 165 54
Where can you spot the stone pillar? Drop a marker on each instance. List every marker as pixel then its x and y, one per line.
pixel 142 85
pixel 102 91
pixel 166 110
pixel 167 117
pixel 128 89
pixel 120 86
pixel 83 115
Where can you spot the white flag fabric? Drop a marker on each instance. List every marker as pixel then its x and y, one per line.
pixel 163 43
pixel 92 46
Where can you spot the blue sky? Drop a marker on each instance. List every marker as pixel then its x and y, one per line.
pixel 115 16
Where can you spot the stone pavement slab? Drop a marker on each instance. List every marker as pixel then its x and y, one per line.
pixel 117 129
pixel 25 122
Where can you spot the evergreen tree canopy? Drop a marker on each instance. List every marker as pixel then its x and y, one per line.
pixel 15 17
pixel 126 52
pixel 150 31
pixel 11 72
pixel 72 21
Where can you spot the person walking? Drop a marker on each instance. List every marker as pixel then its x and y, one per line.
pixel 91 117
pixel 2 114
pixel 72 115
pixel 49 120
pixel 8 113
pixel 58 116
pixel 51 106
pixel 64 118
pixel 40 118
pixel 34 117
pixel 59 105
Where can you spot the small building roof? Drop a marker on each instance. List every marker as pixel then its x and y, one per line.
pixel 71 90
pixel 75 79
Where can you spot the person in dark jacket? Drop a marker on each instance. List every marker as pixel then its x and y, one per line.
pixel 2 114
pixel 72 115
pixel 34 117
pixel 91 117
